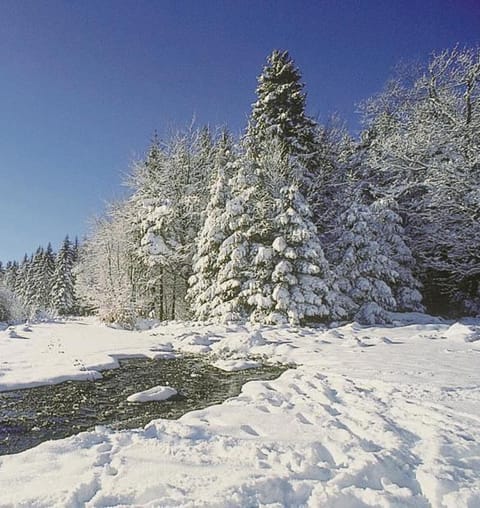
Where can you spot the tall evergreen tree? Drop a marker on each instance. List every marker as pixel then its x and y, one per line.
pixel 405 286
pixel 63 291
pixel 36 293
pixel 365 270
pixel 293 281
pixel 22 279
pixel 11 272
pixel 270 264
pixel 279 112
pixel 234 254
pixel 201 294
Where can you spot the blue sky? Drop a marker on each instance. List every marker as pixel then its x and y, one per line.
pixel 83 84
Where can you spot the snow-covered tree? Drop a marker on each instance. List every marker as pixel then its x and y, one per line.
pixel 421 147
pixel 405 286
pixel 301 279
pixel 270 265
pixel 109 277
pixel 279 112
pixel 40 280
pixel 63 291
pixel 364 268
pixel 170 195
pixel 22 280
pixel 291 280
pixel 234 254
pixel 10 275
pixel 201 294
pixel 10 307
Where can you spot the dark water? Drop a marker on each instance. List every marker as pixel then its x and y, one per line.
pixel 33 415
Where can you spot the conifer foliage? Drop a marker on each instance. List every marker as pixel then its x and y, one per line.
pixel 63 292
pixel 279 112
pixel 206 263
pixel 270 266
pixel 42 284
pixel 373 263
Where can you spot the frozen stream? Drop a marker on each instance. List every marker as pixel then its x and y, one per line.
pixel 33 415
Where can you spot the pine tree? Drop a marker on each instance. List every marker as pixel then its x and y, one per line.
pixel 279 112
pixel 270 267
pixel 293 281
pixel 303 283
pixel 63 293
pixel 365 270
pixel 22 280
pixel 48 271
pixel 11 272
pixel 234 270
pixel 35 298
pixel 405 286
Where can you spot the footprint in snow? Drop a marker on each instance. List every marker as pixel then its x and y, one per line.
pixel 296 389
pixel 302 419
pixel 361 343
pixel 330 410
pixel 249 430
pixel 386 340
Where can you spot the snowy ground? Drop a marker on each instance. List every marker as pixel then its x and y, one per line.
pixel 371 417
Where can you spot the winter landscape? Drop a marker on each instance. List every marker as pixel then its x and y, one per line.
pixel 321 287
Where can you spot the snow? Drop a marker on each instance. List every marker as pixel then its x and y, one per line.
pixel 155 393
pixel 384 416
pixel 234 365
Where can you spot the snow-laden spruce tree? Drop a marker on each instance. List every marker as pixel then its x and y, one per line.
pixel 63 287
pixel 234 254
pixel 10 275
pixel 206 265
pixel 365 270
pixel 279 111
pixel 291 280
pixel 405 286
pixel 304 284
pixel 41 276
pixel 271 264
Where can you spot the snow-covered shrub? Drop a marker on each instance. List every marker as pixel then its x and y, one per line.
pixel 125 318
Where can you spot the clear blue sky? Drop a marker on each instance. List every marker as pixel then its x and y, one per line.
pixel 83 84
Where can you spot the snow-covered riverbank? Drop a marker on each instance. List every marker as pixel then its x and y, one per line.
pixel 370 417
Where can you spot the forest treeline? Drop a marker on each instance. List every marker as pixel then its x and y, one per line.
pixel 294 221
pixel 41 285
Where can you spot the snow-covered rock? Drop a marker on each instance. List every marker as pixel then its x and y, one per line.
pixel 234 365
pixel 155 393
pixel 466 332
